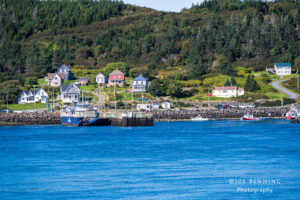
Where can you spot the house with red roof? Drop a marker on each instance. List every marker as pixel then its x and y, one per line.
pixel 116 78
pixel 228 91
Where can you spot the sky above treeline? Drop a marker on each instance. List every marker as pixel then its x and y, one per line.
pixel 164 5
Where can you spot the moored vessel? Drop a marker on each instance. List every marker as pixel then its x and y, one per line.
pixel 199 118
pixel 249 117
pixel 82 115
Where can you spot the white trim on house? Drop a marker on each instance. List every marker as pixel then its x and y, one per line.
pixel 33 96
pixel 228 91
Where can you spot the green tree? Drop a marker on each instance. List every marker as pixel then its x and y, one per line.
pixel 123 67
pixel 158 88
pixel 251 84
pixel 296 64
pixel 227 83
pixel 233 81
pixel 175 90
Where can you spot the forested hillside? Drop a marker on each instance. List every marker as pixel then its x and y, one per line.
pixel 212 37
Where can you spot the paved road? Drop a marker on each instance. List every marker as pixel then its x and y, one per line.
pixel 282 89
pixel 101 98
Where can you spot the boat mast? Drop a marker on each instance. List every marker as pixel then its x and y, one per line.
pixel 115 98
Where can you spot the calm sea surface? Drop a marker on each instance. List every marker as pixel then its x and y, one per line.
pixel 176 160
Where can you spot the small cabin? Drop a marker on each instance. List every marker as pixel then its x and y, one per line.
pixel 144 107
pixel 166 105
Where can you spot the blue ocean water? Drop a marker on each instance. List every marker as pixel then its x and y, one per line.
pixel 175 160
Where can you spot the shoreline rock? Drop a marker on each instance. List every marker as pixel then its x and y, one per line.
pixel 46 118
pixel 184 114
pixel 34 118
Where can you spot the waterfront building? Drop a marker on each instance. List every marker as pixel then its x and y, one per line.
pixel 83 81
pixel 33 96
pixel 282 69
pixel 116 78
pixel 166 105
pixel 55 79
pixel 155 104
pixel 139 84
pixel 70 93
pixel 228 91
pixel 146 107
pixel 101 79
pixel 66 70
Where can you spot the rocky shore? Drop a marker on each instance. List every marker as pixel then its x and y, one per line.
pixel 297 120
pixel 184 114
pixel 158 115
pixel 29 118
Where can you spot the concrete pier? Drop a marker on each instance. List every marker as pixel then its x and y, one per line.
pixel 129 119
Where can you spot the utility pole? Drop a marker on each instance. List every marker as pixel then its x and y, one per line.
pixel 34 95
pixel 298 79
pixel 6 102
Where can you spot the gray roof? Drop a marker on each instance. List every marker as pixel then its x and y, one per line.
pixel 65 87
pixel 100 74
pixel 64 66
pixel 83 79
pixel 140 78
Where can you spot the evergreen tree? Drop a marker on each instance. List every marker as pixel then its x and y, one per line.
pixel 227 83
pixel 233 81
pixel 158 88
pixel 175 89
pixel 251 84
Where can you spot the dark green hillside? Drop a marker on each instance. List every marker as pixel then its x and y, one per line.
pixel 210 38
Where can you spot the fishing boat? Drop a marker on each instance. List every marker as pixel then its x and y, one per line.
pixel 199 118
pixel 291 115
pixel 249 117
pixel 82 115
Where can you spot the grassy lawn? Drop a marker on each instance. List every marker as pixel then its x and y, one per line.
pixel 274 95
pixel 88 88
pixel 42 81
pixel 291 85
pixel 27 106
pixel 70 82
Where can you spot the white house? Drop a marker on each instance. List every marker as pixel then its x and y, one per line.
pixel 146 107
pixel 70 93
pixel 282 69
pixel 55 79
pixel 228 91
pixel 64 69
pixel 32 96
pixel 166 105
pixel 101 79
pixel 139 84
